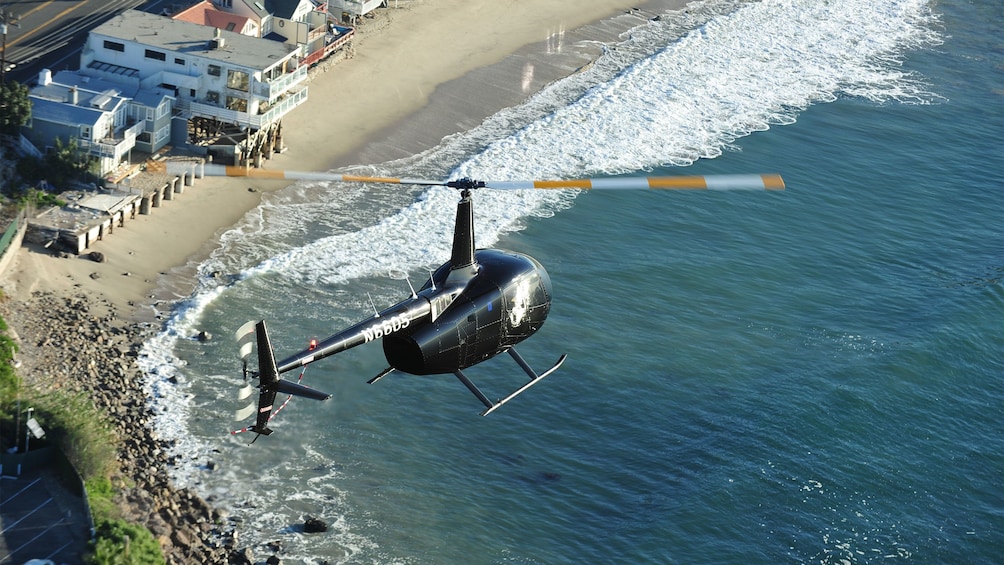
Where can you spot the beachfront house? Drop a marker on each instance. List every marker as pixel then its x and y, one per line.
pixel 254 10
pixel 308 25
pixel 207 14
pixel 103 121
pixel 350 10
pixel 229 91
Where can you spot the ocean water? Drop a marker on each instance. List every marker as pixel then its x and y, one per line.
pixel 814 375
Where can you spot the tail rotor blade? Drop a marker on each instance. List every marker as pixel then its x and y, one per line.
pixel 245 392
pixel 244 413
pixel 245 350
pixel 244 331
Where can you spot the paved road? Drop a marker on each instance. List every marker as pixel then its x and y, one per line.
pixel 41 519
pixel 50 33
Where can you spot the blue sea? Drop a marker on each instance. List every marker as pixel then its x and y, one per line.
pixel 807 376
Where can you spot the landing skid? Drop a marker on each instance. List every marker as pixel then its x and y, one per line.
pixel 489 405
pixel 534 379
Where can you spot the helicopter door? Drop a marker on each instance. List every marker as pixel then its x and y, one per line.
pixel 467 334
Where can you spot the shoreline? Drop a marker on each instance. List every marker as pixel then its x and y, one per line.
pixel 153 260
pixel 145 259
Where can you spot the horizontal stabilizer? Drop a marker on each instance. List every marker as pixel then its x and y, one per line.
pixel 300 390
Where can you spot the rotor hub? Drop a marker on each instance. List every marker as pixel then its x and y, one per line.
pixel 466 184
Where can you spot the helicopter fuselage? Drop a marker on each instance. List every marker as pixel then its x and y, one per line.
pixel 505 302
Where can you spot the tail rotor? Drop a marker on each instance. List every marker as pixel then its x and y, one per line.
pixel 269 383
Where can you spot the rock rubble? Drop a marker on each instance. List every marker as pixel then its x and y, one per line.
pixel 76 343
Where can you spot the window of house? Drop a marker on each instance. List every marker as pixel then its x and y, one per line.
pixel 213 97
pixel 236 103
pixel 85 132
pixel 179 61
pixel 115 46
pixel 237 80
pixel 214 70
pixel 158 55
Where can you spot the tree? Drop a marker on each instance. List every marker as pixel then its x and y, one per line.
pixel 65 162
pixel 15 107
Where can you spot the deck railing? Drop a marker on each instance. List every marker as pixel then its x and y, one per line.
pixel 254 121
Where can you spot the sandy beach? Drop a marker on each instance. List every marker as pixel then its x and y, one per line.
pixel 358 112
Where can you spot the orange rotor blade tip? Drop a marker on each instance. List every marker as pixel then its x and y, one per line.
pixel 773 182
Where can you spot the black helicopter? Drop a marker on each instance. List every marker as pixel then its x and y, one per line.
pixel 481 303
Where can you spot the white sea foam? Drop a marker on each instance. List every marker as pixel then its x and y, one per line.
pixel 672 92
pixel 739 73
pixel 416 236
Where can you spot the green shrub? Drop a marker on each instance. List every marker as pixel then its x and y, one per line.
pixel 39 199
pixel 120 543
pixel 9 386
pixel 82 432
pixel 100 497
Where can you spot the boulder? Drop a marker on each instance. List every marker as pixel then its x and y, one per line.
pixel 314 525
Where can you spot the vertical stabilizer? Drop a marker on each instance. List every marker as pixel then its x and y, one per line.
pixel 268 379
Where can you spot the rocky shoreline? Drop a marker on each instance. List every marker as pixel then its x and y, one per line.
pixel 78 343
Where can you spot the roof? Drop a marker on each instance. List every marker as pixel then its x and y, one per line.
pixel 204 13
pixel 56 112
pixel 50 102
pixel 177 36
pixel 108 203
pixel 282 8
pixel 89 83
pixel 256 6
pixel 151 98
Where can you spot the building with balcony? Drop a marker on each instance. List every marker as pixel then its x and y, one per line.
pixel 104 119
pixel 254 10
pixel 227 88
pixel 308 25
pixel 351 10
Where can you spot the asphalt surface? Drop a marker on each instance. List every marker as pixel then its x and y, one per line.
pixel 41 519
pixel 48 34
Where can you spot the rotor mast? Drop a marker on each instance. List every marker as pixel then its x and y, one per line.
pixel 462 264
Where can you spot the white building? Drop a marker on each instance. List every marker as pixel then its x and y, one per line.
pixel 214 74
pixel 352 9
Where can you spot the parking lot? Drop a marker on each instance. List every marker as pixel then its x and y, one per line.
pixel 41 519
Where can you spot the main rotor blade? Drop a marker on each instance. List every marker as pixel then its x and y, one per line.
pixel 706 182
pixel 215 170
